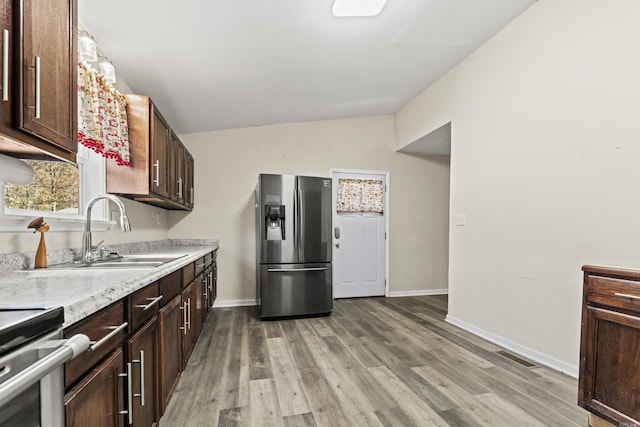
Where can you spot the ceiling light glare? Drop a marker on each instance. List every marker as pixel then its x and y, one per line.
pixel 357 7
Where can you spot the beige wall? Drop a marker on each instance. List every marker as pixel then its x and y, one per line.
pixel 545 151
pixel 227 164
pixel 143 223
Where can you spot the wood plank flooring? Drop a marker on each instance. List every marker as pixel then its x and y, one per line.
pixel 374 362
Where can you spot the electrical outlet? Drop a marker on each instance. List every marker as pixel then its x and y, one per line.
pixel 461 219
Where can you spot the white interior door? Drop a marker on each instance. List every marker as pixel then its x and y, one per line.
pixel 358 246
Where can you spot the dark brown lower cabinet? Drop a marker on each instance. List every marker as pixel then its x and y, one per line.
pixel 170 320
pixel 98 398
pixel 143 350
pixel 189 296
pixel 609 383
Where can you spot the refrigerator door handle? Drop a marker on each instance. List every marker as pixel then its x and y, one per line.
pixel 298 218
pixel 284 270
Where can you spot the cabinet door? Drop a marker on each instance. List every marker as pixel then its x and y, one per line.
pixel 188 179
pixel 6 51
pixel 142 350
pixel 46 76
pixel 610 353
pixel 159 155
pixel 176 180
pixel 188 310
pixel 201 294
pixel 98 399
pixel 170 322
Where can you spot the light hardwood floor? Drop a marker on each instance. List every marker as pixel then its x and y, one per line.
pixel 374 361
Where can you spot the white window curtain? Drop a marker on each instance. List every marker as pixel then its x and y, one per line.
pixel 360 195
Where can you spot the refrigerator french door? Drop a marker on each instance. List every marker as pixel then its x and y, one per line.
pixel 293 245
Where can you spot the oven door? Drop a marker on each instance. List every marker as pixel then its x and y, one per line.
pixel 31 380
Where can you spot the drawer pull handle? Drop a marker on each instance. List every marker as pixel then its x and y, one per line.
pixel 627 295
pixel 153 302
pixel 116 330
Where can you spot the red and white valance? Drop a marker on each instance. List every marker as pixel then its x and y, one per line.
pixel 360 195
pixel 102 117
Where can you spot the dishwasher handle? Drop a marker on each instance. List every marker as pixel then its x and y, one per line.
pixel 69 349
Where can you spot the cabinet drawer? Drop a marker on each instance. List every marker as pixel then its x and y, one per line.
pixel 619 293
pixel 106 329
pixel 208 259
pixel 170 286
pixel 189 272
pixel 143 305
pixel 200 263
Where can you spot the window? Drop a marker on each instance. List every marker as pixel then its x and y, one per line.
pixel 59 192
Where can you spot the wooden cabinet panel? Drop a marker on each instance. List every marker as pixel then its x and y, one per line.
pixel 98 399
pixel 96 327
pixel 143 350
pixel 610 347
pixel 201 291
pixel 189 180
pixel 170 321
pixel 48 73
pixel 170 285
pixel 160 148
pixel 157 172
pixel 38 33
pixel 188 331
pixel 6 69
pixel 143 305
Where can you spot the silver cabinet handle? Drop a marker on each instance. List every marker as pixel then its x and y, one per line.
pixel 37 87
pixel 288 270
pixel 189 316
pixel 141 362
pixel 153 302
pixel 141 377
pixel 180 187
pixel 184 317
pixel 627 295
pixel 128 411
pixel 5 65
pixel 156 165
pixel 115 331
pixel 25 379
pixel 191 194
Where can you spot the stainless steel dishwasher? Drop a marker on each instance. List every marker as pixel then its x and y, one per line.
pixel 32 355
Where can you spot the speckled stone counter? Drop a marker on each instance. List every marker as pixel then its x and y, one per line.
pixel 83 292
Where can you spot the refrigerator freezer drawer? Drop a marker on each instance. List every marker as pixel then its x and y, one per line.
pixel 295 289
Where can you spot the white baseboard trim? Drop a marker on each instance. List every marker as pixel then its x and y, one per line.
pixel 527 352
pixel 234 303
pixel 420 293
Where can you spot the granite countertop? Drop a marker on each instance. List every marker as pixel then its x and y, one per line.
pixel 83 292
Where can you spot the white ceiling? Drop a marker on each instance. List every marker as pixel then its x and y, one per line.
pixel 214 64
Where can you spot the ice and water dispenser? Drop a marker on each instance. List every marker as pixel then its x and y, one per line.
pixel 274 222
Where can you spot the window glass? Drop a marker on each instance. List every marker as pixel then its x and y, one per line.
pixel 54 188
pixel 59 192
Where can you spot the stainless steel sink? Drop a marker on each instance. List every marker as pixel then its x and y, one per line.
pixel 123 262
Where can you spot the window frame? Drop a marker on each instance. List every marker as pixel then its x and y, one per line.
pixel 91 183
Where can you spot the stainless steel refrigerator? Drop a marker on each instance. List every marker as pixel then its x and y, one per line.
pixel 293 245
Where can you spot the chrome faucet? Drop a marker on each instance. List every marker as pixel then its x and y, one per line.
pixel 86 236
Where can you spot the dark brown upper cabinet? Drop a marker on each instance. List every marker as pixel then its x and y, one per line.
pixel 38 97
pixel 159 165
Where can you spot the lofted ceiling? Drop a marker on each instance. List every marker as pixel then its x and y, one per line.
pixel 214 64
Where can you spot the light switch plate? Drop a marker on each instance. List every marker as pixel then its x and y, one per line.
pixel 461 219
